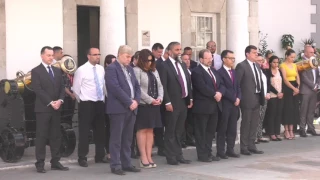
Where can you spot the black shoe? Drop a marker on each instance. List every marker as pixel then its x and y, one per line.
pixel 58 166
pixel 161 152
pixel 183 145
pixel 82 162
pixel 222 156
pixel 40 169
pixel 103 160
pixel 303 133
pixel 232 154
pixel 118 171
pixel 245 152
pixel 255 151
pixel 215 158
pixel 184 161
pixel 313 132
pixel 205 159
pixel 131 169
pixel 172 162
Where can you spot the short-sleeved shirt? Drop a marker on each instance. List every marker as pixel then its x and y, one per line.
pixel 291 73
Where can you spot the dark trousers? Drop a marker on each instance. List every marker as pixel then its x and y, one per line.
pixel 121 131
pixel 91 115
pixel 189 128
pixel 274 116
pixel 227 129
pixel 48 128
pixel 205 128
pixel 67 110
pixel 107 122
pixel 159 132
pixel 174 129
pixel 308 106
pixel 249 125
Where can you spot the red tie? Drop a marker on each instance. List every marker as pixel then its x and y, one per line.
pixel 212 78
pixel 232 78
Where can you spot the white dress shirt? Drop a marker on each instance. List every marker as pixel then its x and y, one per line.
pixel 206 68
pixel 217 61
pixel 46 66
pixel 254 74
pixel 264 80
pixel 228 70
pixel 182 74
pixel 84 85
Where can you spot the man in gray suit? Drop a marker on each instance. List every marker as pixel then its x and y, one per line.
pixel 250 79
pixel 308 90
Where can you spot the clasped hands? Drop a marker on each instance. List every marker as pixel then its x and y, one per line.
pixel 134 105
pixel 56 104
pixel 218 96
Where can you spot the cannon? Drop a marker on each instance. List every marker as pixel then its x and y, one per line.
pixel 18 119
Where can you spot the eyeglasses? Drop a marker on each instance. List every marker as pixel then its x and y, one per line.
pixel 231 58
pixel 95 54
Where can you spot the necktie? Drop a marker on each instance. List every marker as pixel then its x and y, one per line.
pixel 257 78
pixel 232 78
pixel 212 78
pixel 50 72
pixel 181 81
pixel 96 80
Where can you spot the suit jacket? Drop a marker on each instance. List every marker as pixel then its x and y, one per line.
pixel 171 86
pixel 307 81
pixel 233 90
pixel 119 93
pixel 204 91
pixel 158 62
pixel 45 88
pixel 193 64
pixel 143 80
pixel 247 84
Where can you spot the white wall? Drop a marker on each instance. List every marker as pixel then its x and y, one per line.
pixel 161 19
pixel 30 25
pixel 278 17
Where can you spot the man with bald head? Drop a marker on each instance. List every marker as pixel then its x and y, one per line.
pixel 123 97
pixel 308 89
pixel 216 58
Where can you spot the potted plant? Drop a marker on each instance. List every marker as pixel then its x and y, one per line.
pixel 287 41
pixel 308 42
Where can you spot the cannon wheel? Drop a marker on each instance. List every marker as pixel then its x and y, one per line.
pixel 12 144
pixel 68 140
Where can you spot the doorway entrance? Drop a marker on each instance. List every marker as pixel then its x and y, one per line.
pixel 88 18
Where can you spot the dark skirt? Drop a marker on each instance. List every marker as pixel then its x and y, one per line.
pixel 291 115
pixel 148 117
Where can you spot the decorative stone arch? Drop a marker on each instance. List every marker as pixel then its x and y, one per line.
pixel 3 66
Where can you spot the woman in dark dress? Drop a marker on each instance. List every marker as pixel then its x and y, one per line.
pixel 108 60
pixel 148 116
pixel 291 115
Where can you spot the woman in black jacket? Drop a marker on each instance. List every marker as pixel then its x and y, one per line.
pixel 275 104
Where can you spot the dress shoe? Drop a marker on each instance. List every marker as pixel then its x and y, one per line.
pixel 131 169
pixel 205 159
pixel 103 160
pixel 118 171
pixel 172 162
pixel 183 145
pixel 255 151
pixel 58 166
pixel 40 169
pixel 215 158
pixel 303 133
pixel 145 165
pixel 232 154
pixel 82 162
pixel 184 161
pixel 245 152
pixel 153 165
pixel 222 156
pixel 313 132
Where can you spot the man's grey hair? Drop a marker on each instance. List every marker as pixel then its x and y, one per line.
pixel 172 44
pixel 125 49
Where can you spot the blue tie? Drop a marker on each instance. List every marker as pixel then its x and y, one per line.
pixel 96 80
pixel 50 72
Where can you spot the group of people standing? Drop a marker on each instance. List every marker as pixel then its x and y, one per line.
pixel 151 96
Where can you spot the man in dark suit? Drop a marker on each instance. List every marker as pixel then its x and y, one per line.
pixel 123 97
pixel 208 90
pixel 177 97
pixel 308 90
pixel 249 76
pixel 188 51
pixel 48 85
pixel 227 128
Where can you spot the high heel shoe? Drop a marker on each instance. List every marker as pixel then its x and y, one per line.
pixel 286 137
pixel 145 165
pixel 273 139
pixel 292 135
pixel 153 165
pixel 278 138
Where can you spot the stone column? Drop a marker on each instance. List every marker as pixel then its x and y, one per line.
pixel 112 26
pixel 237 27
pixel 254 22
pixel 3 66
